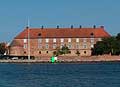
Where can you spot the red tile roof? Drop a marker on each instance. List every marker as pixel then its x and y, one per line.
pixel 63 33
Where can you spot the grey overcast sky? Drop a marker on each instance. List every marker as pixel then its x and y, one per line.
pixel 49 13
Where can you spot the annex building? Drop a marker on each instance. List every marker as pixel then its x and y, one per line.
pixel 44 41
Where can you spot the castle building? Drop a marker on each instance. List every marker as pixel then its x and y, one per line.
pixel 44 41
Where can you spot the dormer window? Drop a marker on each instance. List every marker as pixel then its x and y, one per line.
pixel 39 34
pixel 91 34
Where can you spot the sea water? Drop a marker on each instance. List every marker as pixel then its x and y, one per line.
pixel 60 75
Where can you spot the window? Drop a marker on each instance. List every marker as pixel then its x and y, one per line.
pixel 92 46
pixel 39 52
pixel 62 40
pixel 47 46
pixel 61 45
pixel 24 52
pixel 69 45
pixel 77 40
pixel 84 52
pixel 54 46
pixel 39 46
pixel 69 39
pixel 77 46
pixel 39 34
pixel 47 40
pixel 39 43
pixel 46 51
pixel 39 40
pixel 25 40
pixel 99 39
pixel 54 40
pixel 84 46
pixel 92 35
pixel 69 52
pixel 25 46
pixel 92 40
pixel 84 39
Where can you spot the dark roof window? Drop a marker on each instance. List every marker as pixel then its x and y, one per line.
pixel 92 34
pixel 39 34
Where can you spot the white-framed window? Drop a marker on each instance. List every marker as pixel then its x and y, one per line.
pixel 47 46
pixel 61 40
pixel 99 39
pixel 77 46
pixel 92 45
pixel 54 46
pixel 25 40
pixel 92 40
pixel 84 40
pixel 39 40
pixel 25 46
pixel 69 39
pixel 54 40
pixel 46 40
pixel 61 45
pixel 70 46
pixel 84 46
pixel 39 43
pixel 77 40
pixel 40 46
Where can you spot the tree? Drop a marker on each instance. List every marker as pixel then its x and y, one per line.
pixel 118 36
pixel 64 50
pixel 77 52
pixel 3 48
pixel 60 51
pixel 98 48
pixel 109 45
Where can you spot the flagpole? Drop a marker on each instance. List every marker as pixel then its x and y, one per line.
pixel 28 41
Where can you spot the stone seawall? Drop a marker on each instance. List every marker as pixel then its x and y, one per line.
pixel 66 59
pixel 24 61
pixel 91 58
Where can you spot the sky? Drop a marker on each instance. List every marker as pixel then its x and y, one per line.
pixel 14 15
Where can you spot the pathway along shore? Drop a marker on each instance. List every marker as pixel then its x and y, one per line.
pixel 66 59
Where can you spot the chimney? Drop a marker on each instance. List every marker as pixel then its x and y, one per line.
pixel 101 26
pixel 94 26
pixel 80 26
pixel 27 27
pixel 57 27
pixel 71 26
pixel 42 27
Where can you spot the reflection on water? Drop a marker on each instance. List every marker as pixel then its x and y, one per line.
pixel 60 75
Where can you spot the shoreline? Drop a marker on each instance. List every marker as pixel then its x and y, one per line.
pixel 59 62
pixel 66 59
